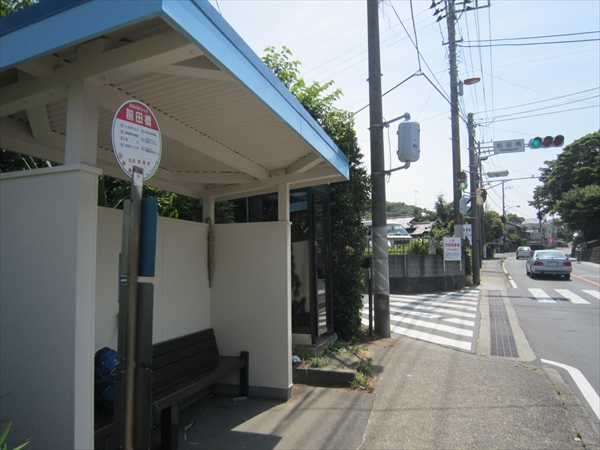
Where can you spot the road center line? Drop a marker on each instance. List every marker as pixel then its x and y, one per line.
pixel 585 279
pixel 583 384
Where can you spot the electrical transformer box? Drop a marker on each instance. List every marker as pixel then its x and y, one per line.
pixel 409 141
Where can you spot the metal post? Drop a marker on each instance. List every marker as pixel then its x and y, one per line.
pixel 131 254
pixel 474 207
pixel 380 244
pixel 454 111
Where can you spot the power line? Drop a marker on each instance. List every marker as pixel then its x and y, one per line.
pixel 538 115
pixel 533 37
pixel 527 44
pixel 547 100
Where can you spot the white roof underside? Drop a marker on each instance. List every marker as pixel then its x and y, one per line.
pixel 217 134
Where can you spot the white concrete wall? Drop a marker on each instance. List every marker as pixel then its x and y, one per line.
pixel 181 292
pixel 251 298
pixel 47 275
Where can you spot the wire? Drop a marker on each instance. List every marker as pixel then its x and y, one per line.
pixel 526 44
pixel 545 114
pixel 547 100
pixel 535 37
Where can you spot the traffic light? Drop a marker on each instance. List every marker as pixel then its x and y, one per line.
pixel 464 205
pixel 462 181
pixel 548 141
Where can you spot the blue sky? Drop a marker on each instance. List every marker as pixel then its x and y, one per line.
pixel 526 90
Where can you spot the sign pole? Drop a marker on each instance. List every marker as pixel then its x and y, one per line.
pixel 131 248
pixel 137 148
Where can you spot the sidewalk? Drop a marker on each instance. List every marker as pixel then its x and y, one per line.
pixel 426 396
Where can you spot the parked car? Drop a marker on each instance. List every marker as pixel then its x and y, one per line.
pixel 523 252
pixel 548 262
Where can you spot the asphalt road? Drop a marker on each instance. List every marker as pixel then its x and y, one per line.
pixel 561 320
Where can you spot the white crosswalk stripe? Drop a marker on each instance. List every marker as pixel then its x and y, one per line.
pixel 573 298
pixel 447 319
pixel 541 296
pixel 563 294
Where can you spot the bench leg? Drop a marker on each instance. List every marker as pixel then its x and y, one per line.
pixel 169 428
pixel 245 375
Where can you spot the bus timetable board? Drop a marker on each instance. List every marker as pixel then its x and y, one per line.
pixel 136 138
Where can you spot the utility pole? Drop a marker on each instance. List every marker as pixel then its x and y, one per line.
pixel 473 165
pixel 381 273
pixel 454 111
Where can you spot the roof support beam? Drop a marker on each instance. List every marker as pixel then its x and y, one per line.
pixel 112 66
pixel 112 98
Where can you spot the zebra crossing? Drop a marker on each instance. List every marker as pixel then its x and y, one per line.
pixel 564 295
pixel 448 319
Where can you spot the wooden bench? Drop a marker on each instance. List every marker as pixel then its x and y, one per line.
pixel 182 367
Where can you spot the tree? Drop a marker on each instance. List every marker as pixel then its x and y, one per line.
pixel 581 206
pixel 350 200
pixel 567 182
pixel 493 226
pixel 11 6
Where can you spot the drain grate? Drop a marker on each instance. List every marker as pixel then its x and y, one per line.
pixel 502 342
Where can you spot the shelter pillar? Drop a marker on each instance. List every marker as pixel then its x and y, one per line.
pixel 82 123
pixel 283 201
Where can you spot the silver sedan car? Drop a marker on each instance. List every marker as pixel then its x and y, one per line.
pixel 548 262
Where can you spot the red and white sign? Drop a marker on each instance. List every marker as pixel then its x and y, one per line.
pixel 452 249
pixel 136 138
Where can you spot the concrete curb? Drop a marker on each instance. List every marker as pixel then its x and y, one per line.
pixel 325 377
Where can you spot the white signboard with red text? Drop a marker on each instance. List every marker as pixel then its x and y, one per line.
pixel 452 249
pixel 136 138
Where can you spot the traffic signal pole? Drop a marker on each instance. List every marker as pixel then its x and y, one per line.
pixel 381 275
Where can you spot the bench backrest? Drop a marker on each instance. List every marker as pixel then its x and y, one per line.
pixel 178 358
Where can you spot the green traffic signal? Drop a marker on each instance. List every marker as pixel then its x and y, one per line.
pixel 536 142
pixel 462 185
pixel 546 142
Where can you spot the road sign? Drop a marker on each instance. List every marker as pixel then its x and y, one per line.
pixel 452 249
pixel 504 173
pixel 136 138
pixel 468 232
pixel 513 146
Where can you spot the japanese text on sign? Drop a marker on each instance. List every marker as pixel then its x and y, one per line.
pixel 516 145
pixel 136 138
pixel 452 249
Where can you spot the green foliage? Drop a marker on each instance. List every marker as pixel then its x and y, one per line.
pixel 316 361
pixel 567 185
pixel 366 367
pixel 349 200
pixel 4 436
pixel 580 207
pixel 492 225
pixel 11 6
pixel 515 238
pixel 399 209
pixel 12 162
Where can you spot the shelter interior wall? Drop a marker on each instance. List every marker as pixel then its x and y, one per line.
pixel 181 291
pixel 251 298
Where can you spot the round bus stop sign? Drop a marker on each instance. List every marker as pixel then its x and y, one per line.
pixel 136 138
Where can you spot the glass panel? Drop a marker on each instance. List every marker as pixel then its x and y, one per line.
pixel 300 264
pixel 321 263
